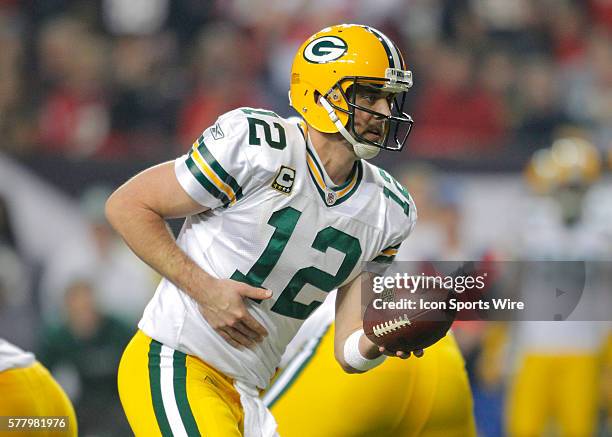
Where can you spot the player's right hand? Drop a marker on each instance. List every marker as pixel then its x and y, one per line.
pixel 223 307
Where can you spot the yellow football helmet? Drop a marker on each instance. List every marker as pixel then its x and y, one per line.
pixel 568 162
pixel 540 172
pixel 577 161
pixel 333 60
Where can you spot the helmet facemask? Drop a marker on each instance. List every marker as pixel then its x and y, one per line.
pixel 395 127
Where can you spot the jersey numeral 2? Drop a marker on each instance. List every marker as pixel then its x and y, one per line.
pixel 284 222
pixel 254 138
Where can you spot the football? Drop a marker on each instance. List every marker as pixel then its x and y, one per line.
pixel 400 320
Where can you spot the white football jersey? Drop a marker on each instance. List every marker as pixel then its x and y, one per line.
pixel 275 221
pixel 11 357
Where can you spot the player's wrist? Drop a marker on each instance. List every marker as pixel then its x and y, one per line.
pixel 197 283
pixel 353 355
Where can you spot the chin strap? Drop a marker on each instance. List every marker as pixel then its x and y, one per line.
pixel 364 151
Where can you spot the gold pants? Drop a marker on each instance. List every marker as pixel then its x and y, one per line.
pixel 32 391
pixel 165 392
pixel 554 389
pixel 428 397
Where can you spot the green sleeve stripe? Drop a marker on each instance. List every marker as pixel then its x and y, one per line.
pixel 393 247
pixel 382 259
pixel 156 394
pixel 205 182
pixel 180 394
pixel 214 164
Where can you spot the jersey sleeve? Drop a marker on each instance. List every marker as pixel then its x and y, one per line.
pixel 216 169
pixel 400 218
pixel 387 255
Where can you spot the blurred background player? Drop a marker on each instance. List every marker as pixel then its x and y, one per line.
pixel 28 389
pixel 554 386
pixel 427 397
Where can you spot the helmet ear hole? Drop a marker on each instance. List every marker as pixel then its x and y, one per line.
pixel 316 96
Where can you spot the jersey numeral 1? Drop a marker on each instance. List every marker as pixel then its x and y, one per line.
pixel 404 203
pixel 284 222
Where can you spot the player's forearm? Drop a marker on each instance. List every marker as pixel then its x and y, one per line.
pixel 348 321
pixel 351 346
pixel 147 234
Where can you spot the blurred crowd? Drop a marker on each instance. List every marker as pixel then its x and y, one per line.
pixel 140 80
pixel 111 82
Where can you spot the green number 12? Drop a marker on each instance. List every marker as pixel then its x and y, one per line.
pixel 284 222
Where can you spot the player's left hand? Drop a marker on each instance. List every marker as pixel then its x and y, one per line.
pixel 401 354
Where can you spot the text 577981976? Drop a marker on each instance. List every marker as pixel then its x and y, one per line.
pixel 33 423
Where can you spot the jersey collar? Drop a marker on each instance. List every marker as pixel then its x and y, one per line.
pixel 331 194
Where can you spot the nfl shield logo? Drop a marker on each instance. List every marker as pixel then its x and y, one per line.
pixel 330 198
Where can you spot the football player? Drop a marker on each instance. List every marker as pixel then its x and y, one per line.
pixel 28 389
pixel 556 373
pixel 278 214
pixel 426 397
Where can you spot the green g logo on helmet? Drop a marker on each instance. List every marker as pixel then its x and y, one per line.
pixel 325 49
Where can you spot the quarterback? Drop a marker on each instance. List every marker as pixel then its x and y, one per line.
pixel 279 212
